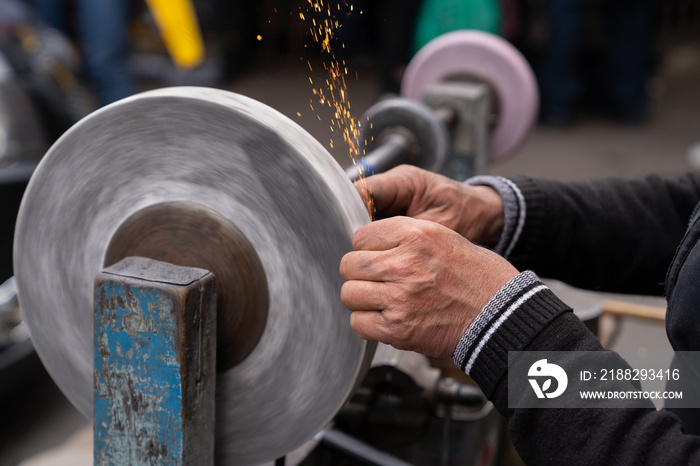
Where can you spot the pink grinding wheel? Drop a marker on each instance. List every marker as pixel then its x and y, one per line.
pixel 492 60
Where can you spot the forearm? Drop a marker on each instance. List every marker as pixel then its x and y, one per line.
pixel 561 436
pixel 608 234
pixel 592 436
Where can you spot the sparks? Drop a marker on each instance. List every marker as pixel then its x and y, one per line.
pixel 335 93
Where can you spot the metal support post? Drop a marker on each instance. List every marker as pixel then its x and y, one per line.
pixel 466 109
pixel 155 364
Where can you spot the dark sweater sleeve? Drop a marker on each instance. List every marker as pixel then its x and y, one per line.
pixel 592 436
pixel 606 234
pixel 525 315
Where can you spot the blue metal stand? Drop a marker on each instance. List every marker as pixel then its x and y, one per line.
pixel 155 364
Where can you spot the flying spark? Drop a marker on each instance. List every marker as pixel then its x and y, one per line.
pixel 332 91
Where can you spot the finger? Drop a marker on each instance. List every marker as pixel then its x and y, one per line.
pixel 359 295
pixel 369 325
pixel 382 235
pixel 390 191
pixel 364 265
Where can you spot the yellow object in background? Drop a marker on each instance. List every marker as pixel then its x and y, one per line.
pixel 178 26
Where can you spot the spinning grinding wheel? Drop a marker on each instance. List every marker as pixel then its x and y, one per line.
pixel 205 178
pixel 486 58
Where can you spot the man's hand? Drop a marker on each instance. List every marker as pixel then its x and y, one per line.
pixel 417 285
pixel 475 212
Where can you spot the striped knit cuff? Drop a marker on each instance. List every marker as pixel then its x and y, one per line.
pixel 513 210
pixel 508 322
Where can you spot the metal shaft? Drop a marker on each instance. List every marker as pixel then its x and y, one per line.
pixel 392 151
pixel 354 448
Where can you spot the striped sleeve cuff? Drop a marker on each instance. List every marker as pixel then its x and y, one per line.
pixel 508 322
pixel 513 210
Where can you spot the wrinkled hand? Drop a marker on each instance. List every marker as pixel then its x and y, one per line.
pixel 417 285
pixel 475 212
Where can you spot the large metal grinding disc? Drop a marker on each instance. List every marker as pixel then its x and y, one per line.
pixel 203 176
pixel 484 57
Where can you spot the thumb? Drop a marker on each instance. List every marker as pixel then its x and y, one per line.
pixel 391 191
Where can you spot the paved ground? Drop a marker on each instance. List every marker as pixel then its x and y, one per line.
pixel 591 147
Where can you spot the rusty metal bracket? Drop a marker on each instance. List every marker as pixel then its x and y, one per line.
pixel 155 364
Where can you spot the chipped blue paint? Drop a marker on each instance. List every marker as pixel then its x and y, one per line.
pixel 155 364
pixel 138 387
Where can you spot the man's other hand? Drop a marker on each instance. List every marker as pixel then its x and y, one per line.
pixel 475 212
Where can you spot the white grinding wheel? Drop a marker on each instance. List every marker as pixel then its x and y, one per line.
pixel 247 172
pixel 487 58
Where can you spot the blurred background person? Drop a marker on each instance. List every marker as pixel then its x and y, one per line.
pixel 440 16
pixel 102 29
pixel 384 29
pixel 615 80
